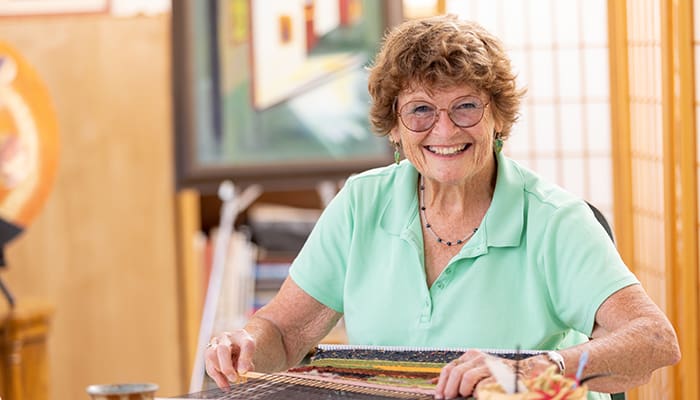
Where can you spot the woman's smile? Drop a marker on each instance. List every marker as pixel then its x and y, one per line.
pixel 448 150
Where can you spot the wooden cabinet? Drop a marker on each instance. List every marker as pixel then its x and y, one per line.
pixel 23 360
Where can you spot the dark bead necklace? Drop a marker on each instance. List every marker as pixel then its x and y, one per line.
pixel 429 227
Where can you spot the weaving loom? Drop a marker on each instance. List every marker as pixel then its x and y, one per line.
pixel 295 384
pixel 280 386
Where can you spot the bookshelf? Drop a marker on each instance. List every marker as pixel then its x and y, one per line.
pixel 264 222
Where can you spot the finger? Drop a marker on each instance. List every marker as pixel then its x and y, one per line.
pixel 442 379
pixel 245 357
pixel 482 384
pixel 246 350
pixel 225 355
pixel 470 357
pixel 460 377
pixel 217 376
pixel 211 365
pixel 470 380
pixel 454 380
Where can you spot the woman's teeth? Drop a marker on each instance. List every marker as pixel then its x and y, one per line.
pixel 446 151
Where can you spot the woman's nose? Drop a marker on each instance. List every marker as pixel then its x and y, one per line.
pixel 444 123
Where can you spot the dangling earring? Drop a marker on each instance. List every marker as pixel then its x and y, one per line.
pixel 397 153
pixel 497 143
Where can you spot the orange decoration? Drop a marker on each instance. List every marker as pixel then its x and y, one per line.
pixel 29 141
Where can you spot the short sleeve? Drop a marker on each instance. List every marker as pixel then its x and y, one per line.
pixel 320 267
pixel 582 266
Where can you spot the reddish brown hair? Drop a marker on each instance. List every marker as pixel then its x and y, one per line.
pixel 437 53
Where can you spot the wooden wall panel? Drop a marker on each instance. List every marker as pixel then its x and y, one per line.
pixel 653 82
pixel 102 251
pixel 648 100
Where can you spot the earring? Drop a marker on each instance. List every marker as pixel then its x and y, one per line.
pixel 397 153
pixel 497 143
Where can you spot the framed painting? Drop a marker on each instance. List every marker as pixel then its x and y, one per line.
pixel 275 91
pixel 52 7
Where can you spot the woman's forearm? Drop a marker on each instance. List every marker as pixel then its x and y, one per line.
pixel 631 339
pixel 270 354
pixel 287 327
pixel 626 357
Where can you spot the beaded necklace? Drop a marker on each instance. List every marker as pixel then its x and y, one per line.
pixel 429 227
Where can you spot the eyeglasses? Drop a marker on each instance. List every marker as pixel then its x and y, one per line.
pixel 420 116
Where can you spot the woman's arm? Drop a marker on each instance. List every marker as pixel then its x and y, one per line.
pixel 276 338
pixel 632 337
pixel 286 328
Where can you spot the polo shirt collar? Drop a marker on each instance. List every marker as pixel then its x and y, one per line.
pixel 503 222
pixel 400 214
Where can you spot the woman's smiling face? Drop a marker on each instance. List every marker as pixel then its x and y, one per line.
pixel 447 152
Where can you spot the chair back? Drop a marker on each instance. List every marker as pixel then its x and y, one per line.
pixel 603 221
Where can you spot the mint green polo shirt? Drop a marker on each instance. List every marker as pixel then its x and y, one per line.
pixel 533 275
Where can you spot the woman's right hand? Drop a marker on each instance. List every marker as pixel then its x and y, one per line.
pixel 228 356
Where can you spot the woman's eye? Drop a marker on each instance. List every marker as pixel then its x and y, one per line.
pixel 467 105
pixel 422 109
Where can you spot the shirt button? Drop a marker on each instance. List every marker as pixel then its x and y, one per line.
pixel 440 285
pixel 448 271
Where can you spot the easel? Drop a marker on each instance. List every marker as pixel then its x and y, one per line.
pixel 8 295
pixel 8 232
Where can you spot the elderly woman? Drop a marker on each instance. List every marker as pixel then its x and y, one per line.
pixel 456 246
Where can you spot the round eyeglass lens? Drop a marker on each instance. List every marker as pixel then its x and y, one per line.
pixel 420 116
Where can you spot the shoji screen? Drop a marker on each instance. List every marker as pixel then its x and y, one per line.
pixel 647 161
pixel 660 157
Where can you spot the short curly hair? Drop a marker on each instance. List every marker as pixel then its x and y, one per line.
pixel 438 53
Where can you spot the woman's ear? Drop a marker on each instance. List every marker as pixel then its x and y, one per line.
pixel 497 125
pixel 497 122
pixel 394 136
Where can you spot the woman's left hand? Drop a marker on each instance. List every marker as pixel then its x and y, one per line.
pixel 463 376
pixel 466 375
